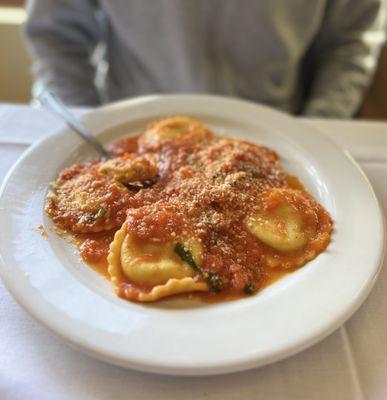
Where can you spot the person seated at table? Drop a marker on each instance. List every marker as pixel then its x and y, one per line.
pixel 310 57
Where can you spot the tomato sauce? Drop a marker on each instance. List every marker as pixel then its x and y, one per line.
pixel 94 249
pixel 206 190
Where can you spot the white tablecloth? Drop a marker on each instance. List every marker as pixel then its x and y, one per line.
pixel 351 364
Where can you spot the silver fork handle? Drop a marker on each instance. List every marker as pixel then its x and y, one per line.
pixel 54 104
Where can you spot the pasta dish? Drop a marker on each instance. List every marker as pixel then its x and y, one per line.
pixel 178 209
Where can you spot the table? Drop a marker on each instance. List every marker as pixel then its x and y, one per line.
pixel 351 364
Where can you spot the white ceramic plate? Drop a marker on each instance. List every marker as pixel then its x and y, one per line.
pixel 46 276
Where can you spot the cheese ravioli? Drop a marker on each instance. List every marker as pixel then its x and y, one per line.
pixel 288 221
pixel 83 200
pixel 280 227
pixel 171 129
pixel 156 269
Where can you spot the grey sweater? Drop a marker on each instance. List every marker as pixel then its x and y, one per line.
pixel 314 57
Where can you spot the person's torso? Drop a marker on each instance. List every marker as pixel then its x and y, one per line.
pixel 251 49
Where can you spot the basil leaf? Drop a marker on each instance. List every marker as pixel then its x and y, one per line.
pixel 101 212
pixel 214 281
pixel 186 256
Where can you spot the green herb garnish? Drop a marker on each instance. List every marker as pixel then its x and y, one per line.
pixel 248 289
pixel 186 256
pixel 214 281
pixel 101 212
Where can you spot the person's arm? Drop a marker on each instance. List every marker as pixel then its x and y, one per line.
pixel 345 55
pixel 62 35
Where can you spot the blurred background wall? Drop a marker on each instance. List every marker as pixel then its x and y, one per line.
pixel 15 63
pixel 15 79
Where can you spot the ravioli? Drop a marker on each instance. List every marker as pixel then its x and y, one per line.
pixel 287 220
pixel 280 227
pixel 156 268
pixel 83 200
pixel 130 168
pixel 171 129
